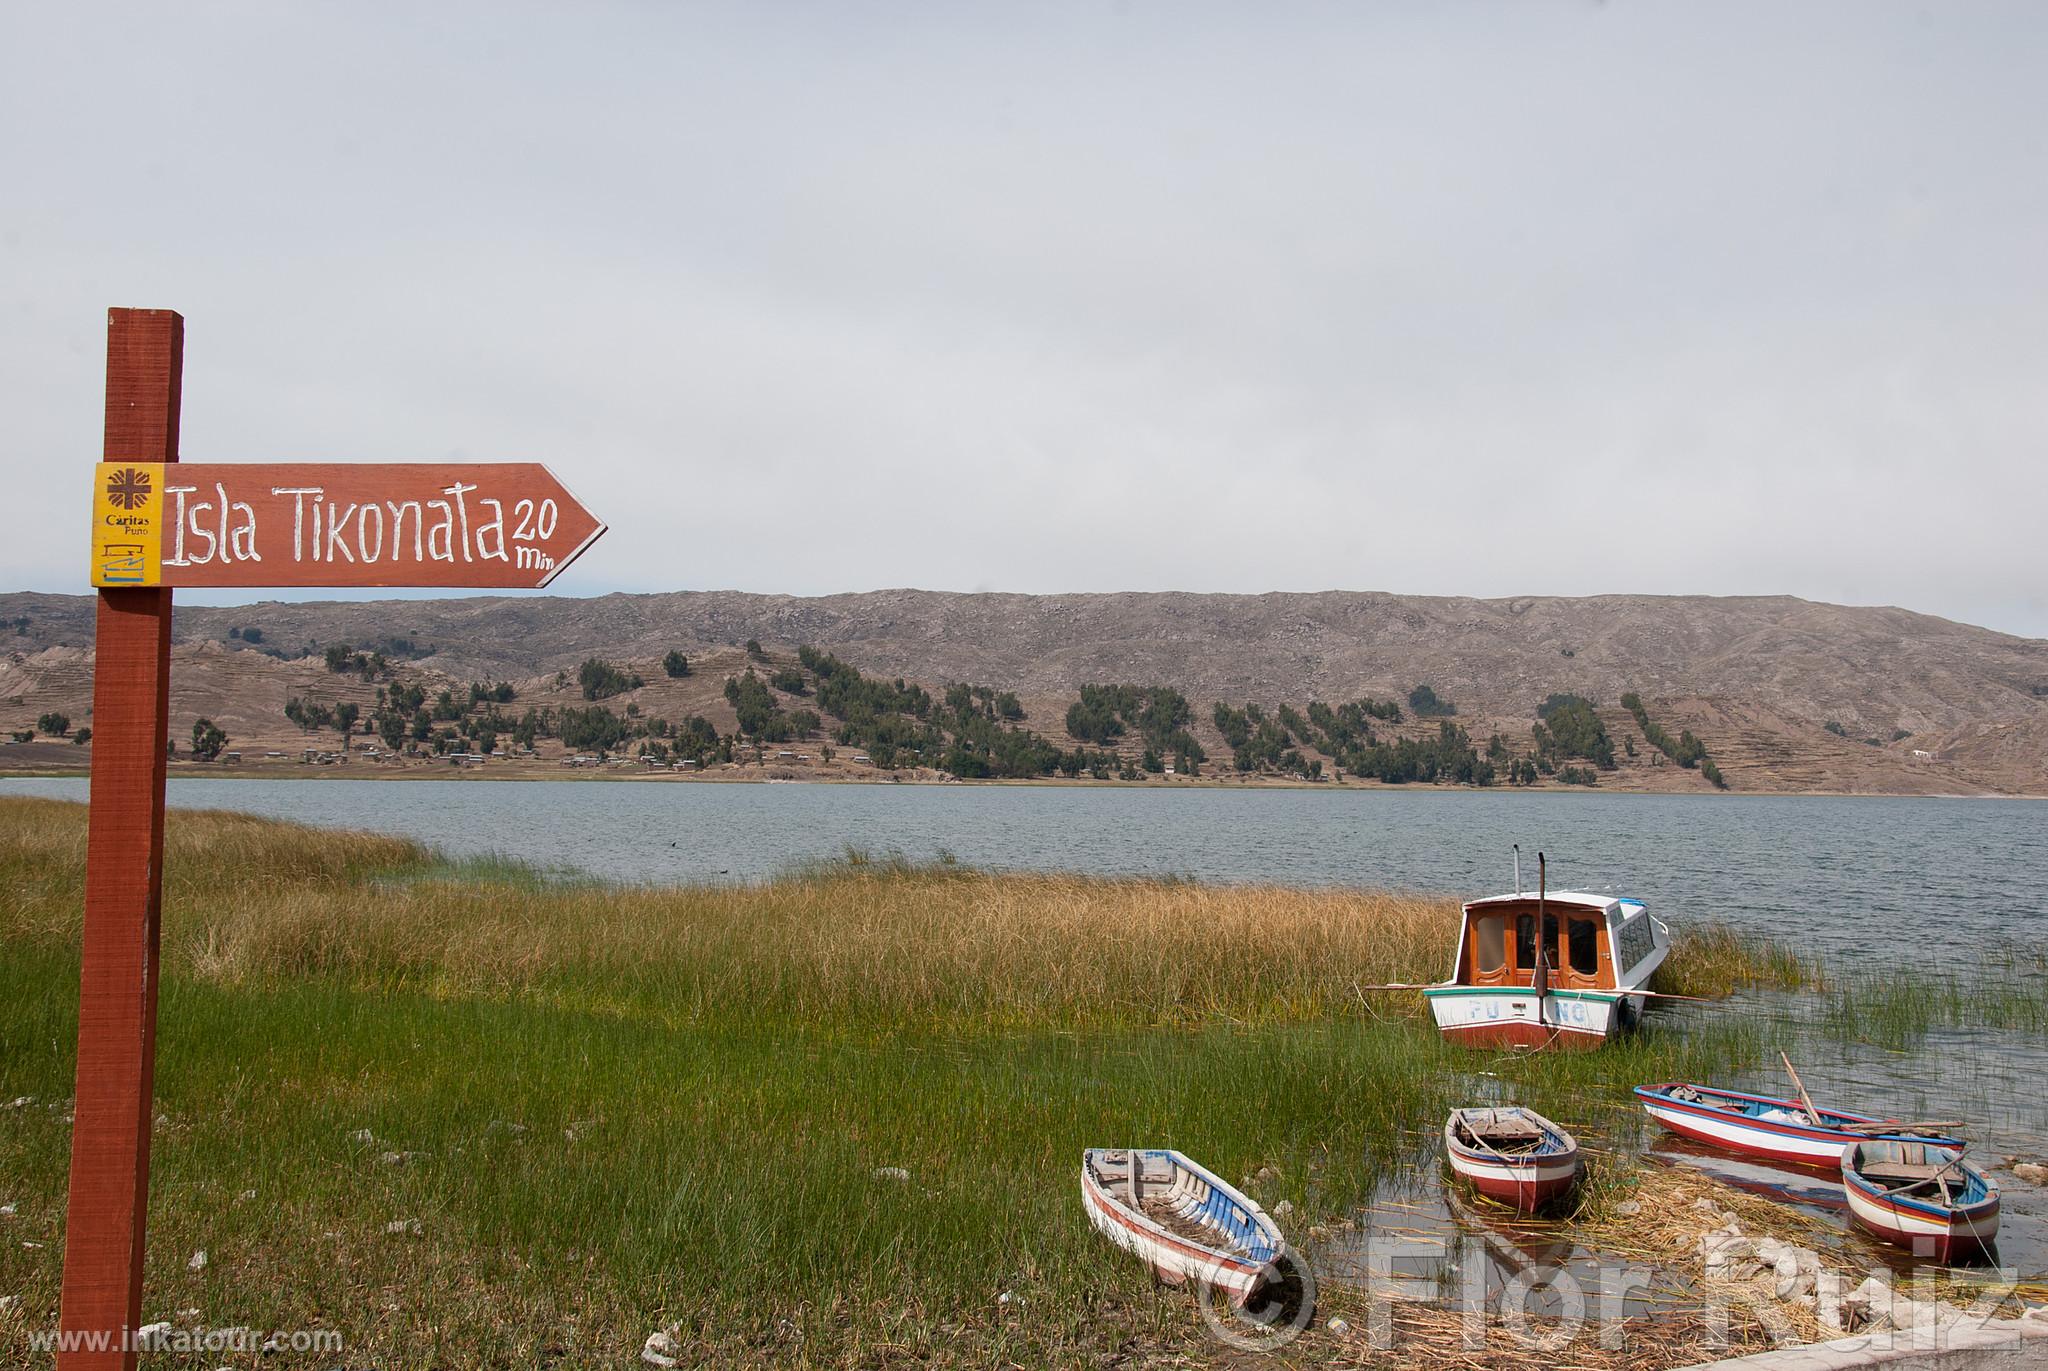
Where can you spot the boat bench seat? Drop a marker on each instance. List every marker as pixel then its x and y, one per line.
pixel 1909 1171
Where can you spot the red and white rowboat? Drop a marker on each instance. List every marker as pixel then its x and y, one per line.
pixel 1511 1154
pixel 1921 1197
pixel 1762 1126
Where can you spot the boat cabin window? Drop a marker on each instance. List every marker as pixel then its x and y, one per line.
pixel 1490 943
pixel 1582 946
pixel 1525 940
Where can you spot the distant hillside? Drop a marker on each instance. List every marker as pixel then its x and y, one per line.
pixel 1758 680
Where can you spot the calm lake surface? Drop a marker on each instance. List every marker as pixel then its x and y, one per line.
pixel 1859 880
pixel 1867 885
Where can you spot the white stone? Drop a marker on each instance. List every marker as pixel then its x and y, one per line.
pixel 248 1194
pixel 20 1102
pixel 1283 1209
pixel 1339 1327
pixel 2032 1172
pixel 410 1228
pixel 8 1302
pixel 1729 1255
pixel 198 1262
pixel 892 1173
pixel 660 1350
pixel 363 1136
pixel 192 1313
pixel 6 1211
pixel 1628 1209
pixel 153 1336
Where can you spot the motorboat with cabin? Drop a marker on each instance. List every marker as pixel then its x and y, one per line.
pixel 1548 969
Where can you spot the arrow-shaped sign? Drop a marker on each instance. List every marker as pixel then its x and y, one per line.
pixel 334 524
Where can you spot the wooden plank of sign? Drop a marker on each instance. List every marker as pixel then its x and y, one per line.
pixel 251 525
pixel 109 1197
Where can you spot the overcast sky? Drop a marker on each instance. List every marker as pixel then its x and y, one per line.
pixel 1556 298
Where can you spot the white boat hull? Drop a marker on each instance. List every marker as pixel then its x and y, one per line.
pixel 1508 1017
pixel 1197 1197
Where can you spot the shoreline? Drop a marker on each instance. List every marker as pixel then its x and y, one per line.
pixel 295 772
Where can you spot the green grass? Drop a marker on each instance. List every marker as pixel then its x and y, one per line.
pixel 639 1108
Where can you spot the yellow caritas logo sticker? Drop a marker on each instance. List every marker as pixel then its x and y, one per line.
pixel 127 524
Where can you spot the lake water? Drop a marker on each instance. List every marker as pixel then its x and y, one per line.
pixel 1865 884
pixel 1855 879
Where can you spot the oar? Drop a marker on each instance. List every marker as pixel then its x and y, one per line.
pixel 1812 1114
pixel 1901 1126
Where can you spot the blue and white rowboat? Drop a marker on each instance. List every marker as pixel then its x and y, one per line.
pixel 1181 1218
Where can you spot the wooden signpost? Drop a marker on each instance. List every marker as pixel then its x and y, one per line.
pixel 160 523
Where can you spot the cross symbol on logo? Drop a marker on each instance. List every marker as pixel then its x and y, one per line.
pixel 129 488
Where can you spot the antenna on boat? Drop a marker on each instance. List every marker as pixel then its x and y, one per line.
pixel 1518 868
pixel 1542 976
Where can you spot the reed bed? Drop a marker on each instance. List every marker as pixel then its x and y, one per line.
pixel 1897 1009
pixel 619 1109
pixel 853 943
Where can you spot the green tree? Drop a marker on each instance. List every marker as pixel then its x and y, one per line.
pixel 391 728
pixel 207 740
pixel 601 680
pixel 345 716
pixel 675 664
pixel 54 724
pixel 82 737
pixel 1424 703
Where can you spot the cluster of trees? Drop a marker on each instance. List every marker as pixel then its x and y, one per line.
pixel 762 716
pixel 970 731
pixel 1261 743
pixel 1569 727
pixel 55 725
pixel 675 664
pixel 1449 756
pixel 1158 715
pixel 601 680
pixel 1685 749
pixel 403 717
pixel 371 666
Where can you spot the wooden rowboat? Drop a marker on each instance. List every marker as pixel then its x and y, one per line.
pixel 1763 1126
pixel 1182 1219
pixel 1511 1154
pixel 1922 1197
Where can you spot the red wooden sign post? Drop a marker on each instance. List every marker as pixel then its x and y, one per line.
pixel 131 697
pixel 159 523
